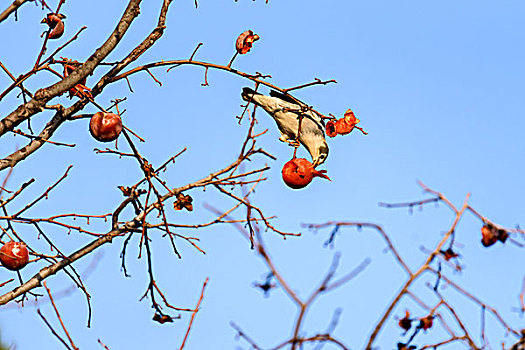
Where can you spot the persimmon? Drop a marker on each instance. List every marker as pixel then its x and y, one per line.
pixel 105 127
pixel 299 172
pixel 14 255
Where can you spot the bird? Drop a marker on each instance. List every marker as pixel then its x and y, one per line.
pixel 286 112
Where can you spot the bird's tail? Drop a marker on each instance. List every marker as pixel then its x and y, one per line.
pixel 248 94
pixel 269 104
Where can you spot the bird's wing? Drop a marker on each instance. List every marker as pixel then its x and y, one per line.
pixel 278 102
pixel 295 101
pixel 287 98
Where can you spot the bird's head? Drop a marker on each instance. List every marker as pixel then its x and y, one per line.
pixel 319 153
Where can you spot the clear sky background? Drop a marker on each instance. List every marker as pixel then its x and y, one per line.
pixel 439 86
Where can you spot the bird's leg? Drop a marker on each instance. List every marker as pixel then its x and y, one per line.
pixel 292 142
pixel 295 150
pixel 297 144
pixel 301 116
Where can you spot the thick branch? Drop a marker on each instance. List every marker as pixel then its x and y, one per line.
pixel 35 144
pixel 129 226
pixel 36 280
pixel 12 8
pixel 139 50
pixel 42 96
pixel 63 115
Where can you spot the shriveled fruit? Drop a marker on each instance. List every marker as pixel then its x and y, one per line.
pixel 343 125
pixel 55 23
pixel 245 41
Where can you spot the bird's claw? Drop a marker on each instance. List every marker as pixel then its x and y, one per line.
pixel 293 143
pixel 289 141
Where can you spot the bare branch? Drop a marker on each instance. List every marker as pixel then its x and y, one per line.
pixel 12 8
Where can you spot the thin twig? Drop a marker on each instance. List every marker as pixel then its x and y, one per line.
pixel 194 313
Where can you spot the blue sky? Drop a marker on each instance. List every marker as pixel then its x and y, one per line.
pixel 439 87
